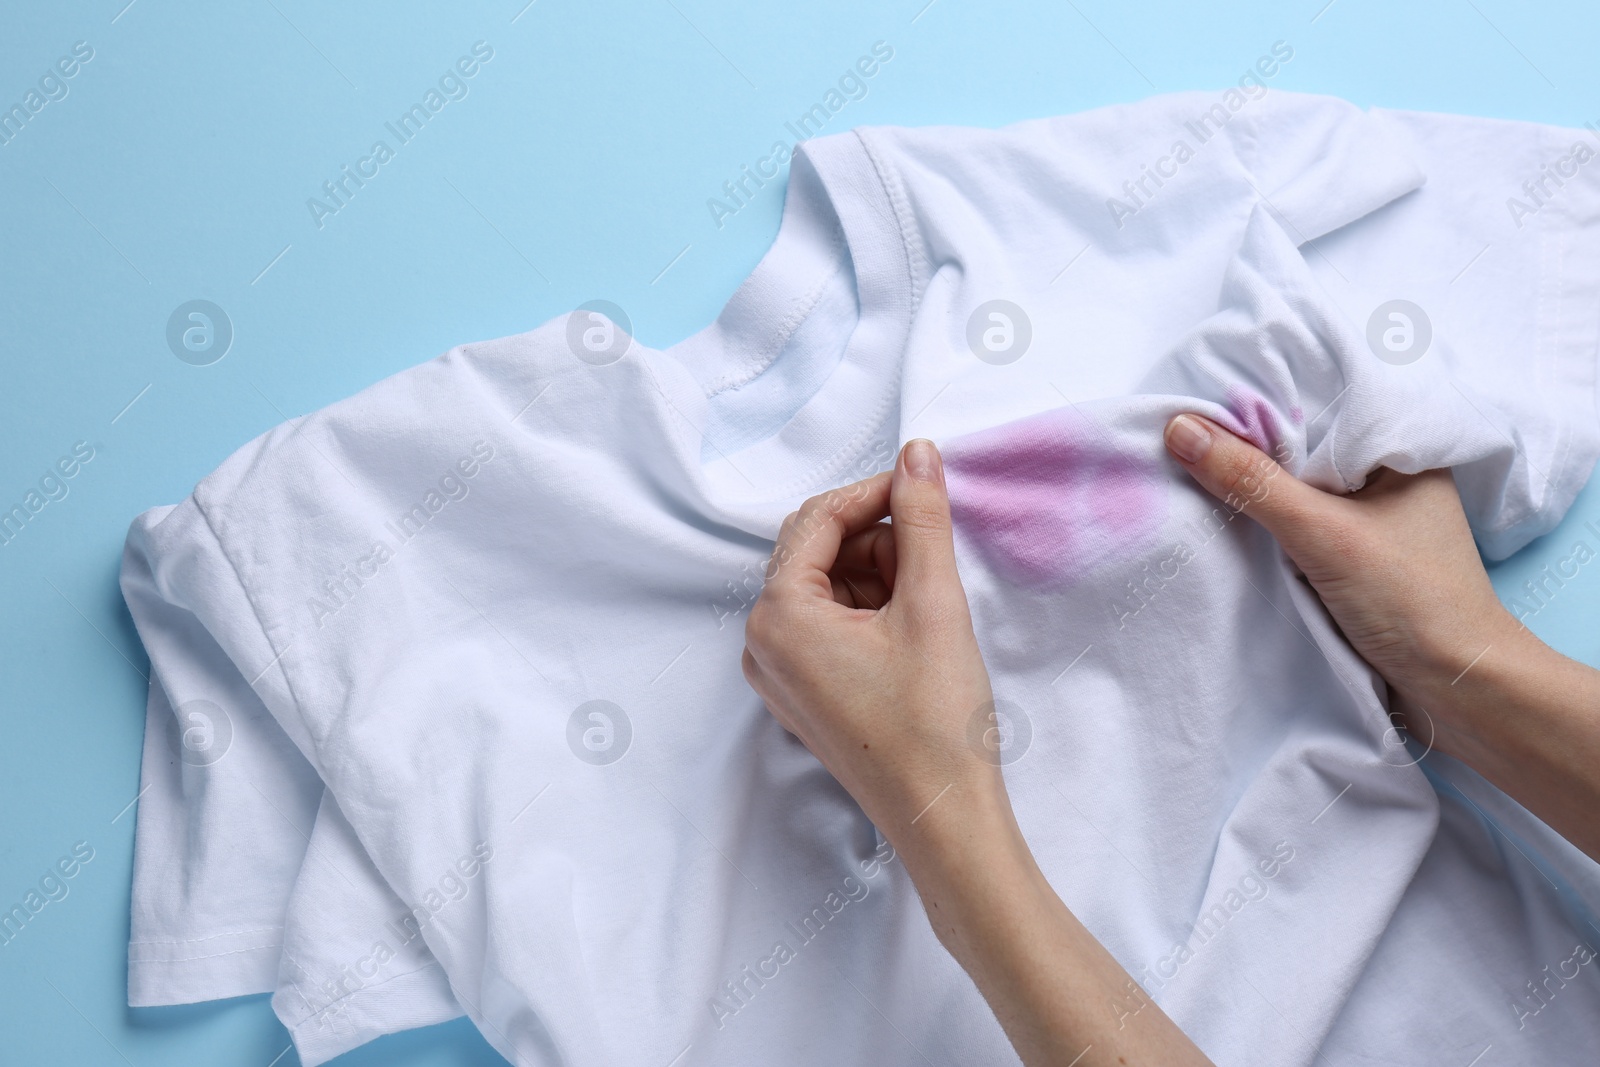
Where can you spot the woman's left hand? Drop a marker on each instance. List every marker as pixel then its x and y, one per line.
pixel 861 644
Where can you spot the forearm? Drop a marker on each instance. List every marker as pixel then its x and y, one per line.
pixel 1058 993
pixel 1528 719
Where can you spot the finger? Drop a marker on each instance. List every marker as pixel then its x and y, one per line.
pixel 870 550
pixel 809 542
pixel 757 679
pixel 752 670
pixel 884 558
pixel 861 589
pixel 1247 479
pixel 919 504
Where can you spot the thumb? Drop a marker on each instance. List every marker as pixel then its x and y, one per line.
pixel 919 507
pixel 1247 479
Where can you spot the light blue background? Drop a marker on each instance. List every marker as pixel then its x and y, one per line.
pixel 179 165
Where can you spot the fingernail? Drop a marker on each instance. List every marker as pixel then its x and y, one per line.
pixel 922 461
pixel 1189 438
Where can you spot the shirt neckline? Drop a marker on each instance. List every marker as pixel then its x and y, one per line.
pixel 839 215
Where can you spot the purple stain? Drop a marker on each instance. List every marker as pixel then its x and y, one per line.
pixel 1254 419
pixel 1050 498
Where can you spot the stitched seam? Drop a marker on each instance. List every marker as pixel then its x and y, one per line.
pixel 1584 343
pixel 852 449
pixel 255 611
pixel 763 359
pixel 905 222
pixel 1247 149
pixel 1332 439
pixel 211 956
pixel 355 993
pixel 294 982
pixel 1549 293
pixel 1539 496
pixel 212 937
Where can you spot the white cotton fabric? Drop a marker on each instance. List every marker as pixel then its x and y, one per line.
pixel 390 616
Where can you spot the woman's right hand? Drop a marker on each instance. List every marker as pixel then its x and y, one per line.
pixel 1397 568
pixel 1394 563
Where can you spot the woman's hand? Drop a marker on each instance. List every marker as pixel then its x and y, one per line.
pixel 1396 566
pixel 861 644
pixel 1394 563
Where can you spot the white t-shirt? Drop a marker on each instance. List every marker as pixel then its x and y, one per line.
pixel 446 709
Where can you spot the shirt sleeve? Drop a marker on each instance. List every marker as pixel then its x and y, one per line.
pixel 1494 267
pixel 248 878
pixel 1288 366
pixel 1143 178
pixel 355 965
pixel 1078 222
pixel 226 802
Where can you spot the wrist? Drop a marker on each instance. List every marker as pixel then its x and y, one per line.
pixel 1479 696
pixel 967 857
pixel 1527 719
pixel 1449 650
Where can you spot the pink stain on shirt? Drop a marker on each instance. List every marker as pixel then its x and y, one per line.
pixel 1255 420
pixel 1050 498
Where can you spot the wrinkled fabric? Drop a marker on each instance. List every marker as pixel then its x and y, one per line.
pixel 446 712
